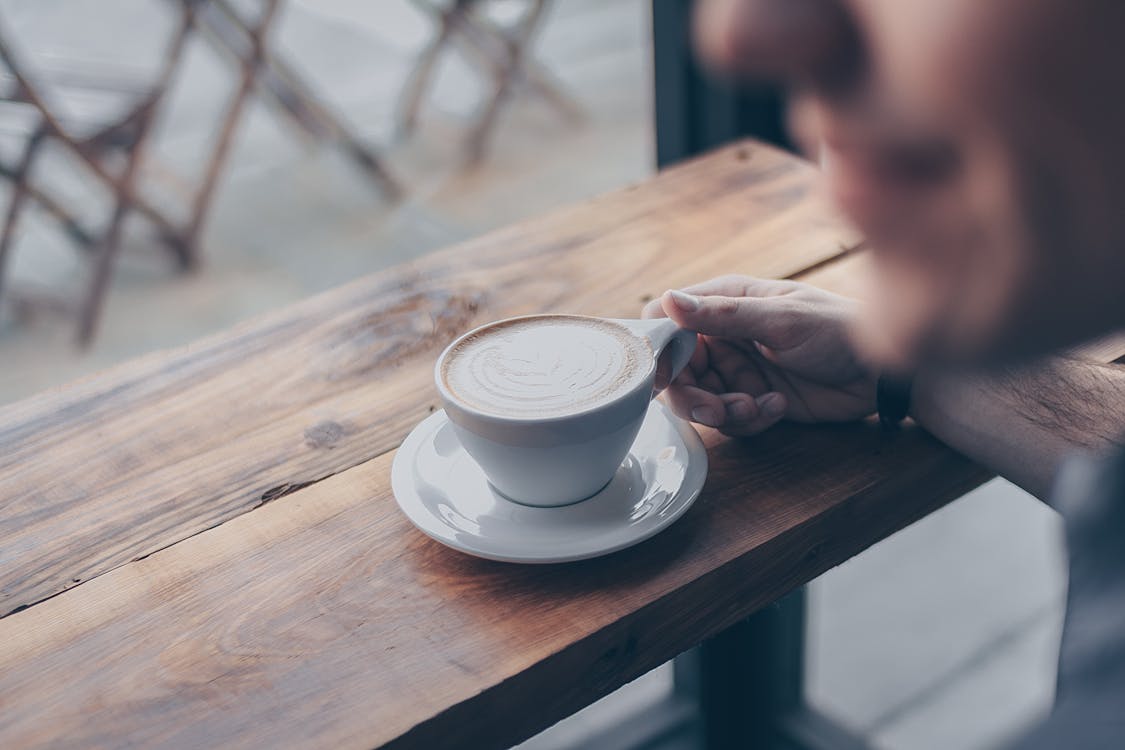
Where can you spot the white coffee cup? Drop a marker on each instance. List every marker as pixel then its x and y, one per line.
pixel 568 457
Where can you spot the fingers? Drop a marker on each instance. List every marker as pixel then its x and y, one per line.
pixel 731 413
pixel 653 310
pixel 731 285
pixel 697 371
pixel 766 319
pixel 749 416
pixel 738 285
pixel 696 404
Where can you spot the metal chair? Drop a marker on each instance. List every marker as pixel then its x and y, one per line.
pixel 244 42
pixel 95 146
pixel 502 51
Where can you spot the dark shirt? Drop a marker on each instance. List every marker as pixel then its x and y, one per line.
pixel 1090 704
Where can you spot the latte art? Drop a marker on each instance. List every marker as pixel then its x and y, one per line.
pixel 546 366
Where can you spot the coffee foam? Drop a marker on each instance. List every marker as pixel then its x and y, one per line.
pixel 545 366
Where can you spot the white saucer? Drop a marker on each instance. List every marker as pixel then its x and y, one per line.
pixel 445 494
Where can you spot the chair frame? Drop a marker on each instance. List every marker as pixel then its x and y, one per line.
pixel 502 52
pixel 231 35
pixel 129 135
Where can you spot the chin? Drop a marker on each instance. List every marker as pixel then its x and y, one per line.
pixel 912 322
pixel 1022 334
pixel 969 299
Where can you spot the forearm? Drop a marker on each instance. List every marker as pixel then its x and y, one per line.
pixel 1023 422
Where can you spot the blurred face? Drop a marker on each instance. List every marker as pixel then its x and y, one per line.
pixel 979 145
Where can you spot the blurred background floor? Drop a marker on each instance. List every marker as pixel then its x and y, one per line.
pixel 943 636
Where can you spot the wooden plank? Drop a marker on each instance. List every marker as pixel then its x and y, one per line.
pixel 324 620
pixel 846 275
pixel 115 467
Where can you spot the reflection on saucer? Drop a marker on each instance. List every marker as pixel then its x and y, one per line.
pixel 445 494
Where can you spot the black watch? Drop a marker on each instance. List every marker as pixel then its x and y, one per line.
pixel 892 399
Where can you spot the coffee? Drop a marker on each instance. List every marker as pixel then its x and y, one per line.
pixel 546 366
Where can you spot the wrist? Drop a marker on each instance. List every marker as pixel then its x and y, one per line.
pixel 925 397
pixel 940 397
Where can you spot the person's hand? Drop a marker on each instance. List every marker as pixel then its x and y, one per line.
pixel 767 350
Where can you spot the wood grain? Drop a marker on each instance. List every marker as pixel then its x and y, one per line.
pixel 325 620
pixel 134 460
pixel 321 618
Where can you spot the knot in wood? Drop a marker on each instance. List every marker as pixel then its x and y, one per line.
pixel 324 434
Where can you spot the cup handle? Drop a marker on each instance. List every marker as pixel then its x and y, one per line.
pixel 662 334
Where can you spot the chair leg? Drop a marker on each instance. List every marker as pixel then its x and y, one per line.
pixel 20 190
pixel 420 75
pixel 103 264
pixel 202 200
pixel 478 138
pixel 124 199
pixel 543 81
pixel 51 205
pixel 489 42
pixel 515 50
pixel 297 99
pixel 225 138
pixel 295 96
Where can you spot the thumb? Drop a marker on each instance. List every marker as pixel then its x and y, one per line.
pixel 758 318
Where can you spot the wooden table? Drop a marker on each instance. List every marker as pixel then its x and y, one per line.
pixel 200 548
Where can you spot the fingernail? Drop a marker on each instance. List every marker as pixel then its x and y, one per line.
pixel 685 301
pixel 772 405
pixel 704 415
pixel 741 410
